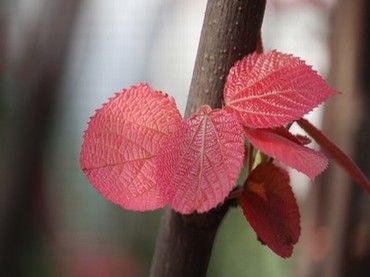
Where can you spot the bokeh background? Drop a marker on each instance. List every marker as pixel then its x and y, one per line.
pixel 61 59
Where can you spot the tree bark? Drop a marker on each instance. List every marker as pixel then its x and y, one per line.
pixel 230 31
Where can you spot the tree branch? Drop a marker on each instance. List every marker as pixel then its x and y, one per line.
pixel 230 31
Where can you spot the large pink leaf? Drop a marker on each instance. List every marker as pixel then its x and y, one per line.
pixel 121 142
pixel 283 146
pixel 200 162
pixel 346 162
pixel 273 89
pixel 270 207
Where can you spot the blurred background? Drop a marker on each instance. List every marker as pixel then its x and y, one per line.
pixel 61 59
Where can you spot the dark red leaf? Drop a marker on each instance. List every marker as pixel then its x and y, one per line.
pixel 269 205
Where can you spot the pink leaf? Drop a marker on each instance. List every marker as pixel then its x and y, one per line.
pixel 273 89
pixel 286 148
pixel 269 205
pixel 333 150
pixel 121 142
pixel 200 162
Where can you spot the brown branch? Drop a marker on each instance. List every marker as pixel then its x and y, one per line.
pixel 230 31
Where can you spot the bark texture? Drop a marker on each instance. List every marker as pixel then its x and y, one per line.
pixel 230 31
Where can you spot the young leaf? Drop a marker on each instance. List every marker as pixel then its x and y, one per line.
pixel 199 163
pixel 285 147
pixel 121 142
pixel 336 153
pixel 269 205
pixel 273 89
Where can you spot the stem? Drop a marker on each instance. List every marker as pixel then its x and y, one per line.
pixel 235 193
pixel 230 31
pixel 185 243
pixel 340 157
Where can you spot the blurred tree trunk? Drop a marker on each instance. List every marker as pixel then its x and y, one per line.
pixel 33 71
pixel 230 31
pixel 337 240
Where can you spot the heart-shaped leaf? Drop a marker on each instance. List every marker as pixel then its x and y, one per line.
pixel 269 205
pixel 200 162
pixel 283 146
pixel 273 89
pixel 121 142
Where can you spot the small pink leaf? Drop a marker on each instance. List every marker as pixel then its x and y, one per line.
pixel 286 148
pixel 121 142
pixel 273 89
pixel 333 150
pixel 270 207
pixel 200 162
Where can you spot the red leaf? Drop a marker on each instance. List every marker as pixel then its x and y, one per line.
pixel 121 142
pixel 336 153
pixel 273 89
pixel 269 205
pixel 288 149
pixel 199 163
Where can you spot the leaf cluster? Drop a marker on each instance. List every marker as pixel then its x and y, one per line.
pixel 139 153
